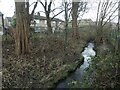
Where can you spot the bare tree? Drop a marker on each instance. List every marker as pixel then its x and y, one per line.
pixel 79 8
pixel 66 8
pixel 75 6
pixel 47 10
pixel 22 28
pixel 119 25
pixel 32 13
pixel 105 13
pixel 82 8
pixel 23 19
pixel 117 45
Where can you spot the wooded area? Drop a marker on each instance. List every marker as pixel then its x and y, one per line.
pixel 43 59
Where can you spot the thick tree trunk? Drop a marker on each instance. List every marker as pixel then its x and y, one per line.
pixel 22 27
pixel 75 6
pixel 49 27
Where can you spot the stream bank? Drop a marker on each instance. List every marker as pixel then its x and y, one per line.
pixel 41 68
pixel 76 74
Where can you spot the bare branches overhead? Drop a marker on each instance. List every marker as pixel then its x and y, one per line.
pixel 34 7
pixel 106 11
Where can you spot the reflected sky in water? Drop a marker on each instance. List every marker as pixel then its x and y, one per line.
pixel 77 75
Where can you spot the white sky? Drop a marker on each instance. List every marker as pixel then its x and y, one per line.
pixel 7 7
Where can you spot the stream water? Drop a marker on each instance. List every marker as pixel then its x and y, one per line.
pixel 78 74
pixel 1 33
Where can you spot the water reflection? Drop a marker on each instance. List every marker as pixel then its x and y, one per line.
pixel 78 74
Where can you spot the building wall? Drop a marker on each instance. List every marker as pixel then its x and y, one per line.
pixel 7 23
pixel 82 23
pixel 1 27
pixel 42 24
pixel 85 22
pixel 0 20
pixel 1 24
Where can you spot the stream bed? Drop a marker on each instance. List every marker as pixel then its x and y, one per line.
pixel 79 72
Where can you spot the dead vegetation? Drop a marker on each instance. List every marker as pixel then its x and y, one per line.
pixel 42 67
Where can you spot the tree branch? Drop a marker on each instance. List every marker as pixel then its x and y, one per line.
pixel 55 9
pixel 110 16
pixel 98 13
pixel 34 8
pixel 49 6
pixel 45 5
pixel 111 8
pixel 32 4
pixel 114 17
pixel 42 3
pixel 59 13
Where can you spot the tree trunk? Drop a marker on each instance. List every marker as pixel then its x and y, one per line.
pixel 100 34
pixel 119 26
pixel 49 27
pixel 75 6
pixel 66 25
pixel 22 27
pixel 117 40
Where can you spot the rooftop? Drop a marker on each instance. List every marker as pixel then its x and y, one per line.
pixel 86 20
pixel 44 18
pixel 9 19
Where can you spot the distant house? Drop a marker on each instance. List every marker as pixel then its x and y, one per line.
pixel 8 21
pixel 1 22
pixel 85 22
pixel 40 24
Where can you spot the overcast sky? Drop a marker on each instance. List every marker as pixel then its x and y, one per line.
pixel 7 7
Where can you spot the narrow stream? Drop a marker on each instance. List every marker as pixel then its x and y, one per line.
pixel 78 74
pixel 1 33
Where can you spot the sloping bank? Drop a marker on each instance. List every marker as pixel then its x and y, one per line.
pixel 58 75
pixel 77 73
pixel 71 61
pixel 46 65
